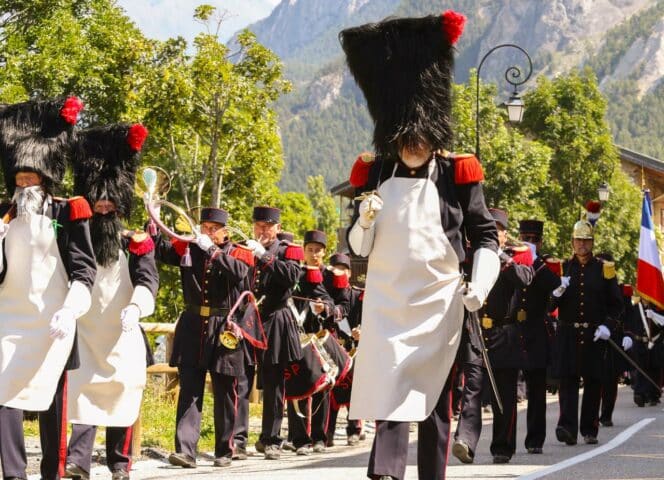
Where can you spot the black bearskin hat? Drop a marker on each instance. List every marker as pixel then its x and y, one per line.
pixel 35 136
pixel 404 67
pixel 105 163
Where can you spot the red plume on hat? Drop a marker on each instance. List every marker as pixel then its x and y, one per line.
pixel 36 136
pixel 593 210
pixel 105 162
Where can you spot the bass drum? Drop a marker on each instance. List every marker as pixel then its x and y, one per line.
pixel 340 395
pixel 311 374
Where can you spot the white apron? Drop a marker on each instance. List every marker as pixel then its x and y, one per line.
pixel 108 387
pixel 413 312
pixel 35 287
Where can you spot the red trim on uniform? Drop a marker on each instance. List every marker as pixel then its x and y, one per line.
pixel 179 246
pixel 243 254
pixel 127 446
pixel 314 275
pixel 309 415
pixel 467 169
pixel 359 174
pixel 141 248
pixel 555 265
pixel 346 369
pixel 523 258
pixel 361 298
pixel 231 440
pixel 62 448
pixel 324 378
pixel 340 281
pixel 79 209
pixel 294 252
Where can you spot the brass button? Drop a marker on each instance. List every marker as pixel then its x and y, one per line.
pixel 412 172
pixel 581 304
pixel 581 342
pixel 581 314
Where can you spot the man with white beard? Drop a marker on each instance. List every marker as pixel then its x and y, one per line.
pixel 108 387
pixel 47 270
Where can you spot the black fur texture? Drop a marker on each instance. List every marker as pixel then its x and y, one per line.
pixel 105 231
pixel 34 137
pixel 404 67
pixel 105 166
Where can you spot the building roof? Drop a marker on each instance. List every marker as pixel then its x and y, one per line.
pixel 640 159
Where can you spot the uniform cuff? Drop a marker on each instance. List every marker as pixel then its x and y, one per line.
pixel 143 299
pixel 78 299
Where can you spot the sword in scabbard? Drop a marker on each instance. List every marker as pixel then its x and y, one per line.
pixel 475 320
pixel 633 363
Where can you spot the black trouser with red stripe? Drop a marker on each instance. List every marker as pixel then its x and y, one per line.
pixel 470 417
pixel 118 447
pixel 389 452
pixel 51 433
pixel 353 427
pixel 503 440
pixel 536 416
pixel 274 390
pixel 313 427
pixel 244 385
pixel 190 406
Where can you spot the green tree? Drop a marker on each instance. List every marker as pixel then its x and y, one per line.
pixel 297 213
pixel 326 215
pixel 568 114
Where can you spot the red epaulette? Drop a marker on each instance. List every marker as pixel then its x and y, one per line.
pixel 467 169
pixel 243 254
pixel 314 275
pixel 627 290
pixel 340 281
pixel 141 243
pixel 179 246
pixel 79 209
pixel 294 252
pixel 555 265
pixel 359 175
pixel 361 298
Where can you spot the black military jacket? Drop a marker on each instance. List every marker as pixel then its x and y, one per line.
pixel 501 334
pixel 216 279
pixel 647 351
pixel 530 313
pixel 313 322
pixel 593 298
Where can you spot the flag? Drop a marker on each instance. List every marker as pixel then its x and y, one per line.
pixel 649 280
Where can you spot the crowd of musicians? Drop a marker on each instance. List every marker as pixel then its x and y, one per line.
pixel 452 312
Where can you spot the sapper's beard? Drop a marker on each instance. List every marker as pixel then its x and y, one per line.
pixel 29 201
pixel 105 231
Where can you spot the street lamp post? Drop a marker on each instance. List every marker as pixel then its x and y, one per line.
pixel 515 105
pixel 603 192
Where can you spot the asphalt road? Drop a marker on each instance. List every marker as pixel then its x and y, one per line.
pixel 632 449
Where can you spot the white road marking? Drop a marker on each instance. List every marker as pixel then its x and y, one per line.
pixel 617 440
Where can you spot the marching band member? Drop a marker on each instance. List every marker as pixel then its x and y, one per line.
pixel 47 271
pixel 275 275
pixel 108 387
pixel 211 285
pixel 420 205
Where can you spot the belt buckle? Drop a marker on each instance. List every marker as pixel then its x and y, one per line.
pixel 205 311
pixel 487 322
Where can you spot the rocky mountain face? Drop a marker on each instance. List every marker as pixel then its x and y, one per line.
pixel 622 40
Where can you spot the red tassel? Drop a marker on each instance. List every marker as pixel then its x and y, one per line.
pixel 314 275
pixel 179 246
pixel 70 110
pixel 141 244
pixel 453 23
pixel 79 209
pixel 243 254
pixel 294 252
pixel 340 281
pixel 627 290
pixel 136 136
pixel 555 265
pixel 467 169
pixel 359 175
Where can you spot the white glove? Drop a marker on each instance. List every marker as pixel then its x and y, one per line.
pixel 486 267
pixel 317 307
pixel 369 208
pixel 129 317
pixel 655 317
pixel 257 248
pixel 564 283
pixel 204 242
pixel 533 249
pixel 4 229
pixel 602 333
pixel 627 343
pixel 63 323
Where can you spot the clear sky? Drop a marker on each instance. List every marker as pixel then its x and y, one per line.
pixel 162 19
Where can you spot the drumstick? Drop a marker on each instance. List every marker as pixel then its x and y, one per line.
pixel 9 216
